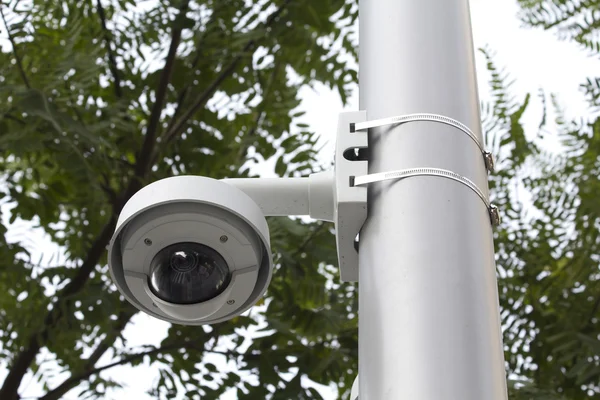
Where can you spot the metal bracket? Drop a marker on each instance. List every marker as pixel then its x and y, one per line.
pixel 442 173
pixel 350 201
pixel 488 158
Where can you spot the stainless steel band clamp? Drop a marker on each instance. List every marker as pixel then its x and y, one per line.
pixel 443 173
pixel 438 172
pixel 487 156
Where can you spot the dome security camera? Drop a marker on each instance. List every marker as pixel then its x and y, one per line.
pixel 191 250
pixel 194 250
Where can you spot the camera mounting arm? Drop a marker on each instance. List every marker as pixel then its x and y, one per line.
pixel 312 196
pixel 326 196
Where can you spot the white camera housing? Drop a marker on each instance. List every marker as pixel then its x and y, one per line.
pixel 198 210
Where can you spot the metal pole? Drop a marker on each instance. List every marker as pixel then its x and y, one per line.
pixel 429 326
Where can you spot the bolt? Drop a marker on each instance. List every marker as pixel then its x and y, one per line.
pixel 223 238
pixel 230 302
pixel 494 215
pixel 148 242
pixel 489 161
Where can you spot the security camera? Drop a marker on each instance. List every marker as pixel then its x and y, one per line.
pixel 194 250
pixel 191 250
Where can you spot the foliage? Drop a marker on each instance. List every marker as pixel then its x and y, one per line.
pixel 576 20
pixel 524 390
pixel 548 244
pixel 98 98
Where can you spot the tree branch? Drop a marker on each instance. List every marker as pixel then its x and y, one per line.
pixel 73 381
pixel 108 190
pixel 183 95
pixel 21 363
pixel 13 118
pixel 145 156
pixel 122 320
pixel 15 51
pixel 70 383
pixel 181 98
pixel 203 98
pixel 589 322
pixel 23 360
pixel 112 61
pixel 260 112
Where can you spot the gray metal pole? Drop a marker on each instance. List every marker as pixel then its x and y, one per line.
pixel 429 326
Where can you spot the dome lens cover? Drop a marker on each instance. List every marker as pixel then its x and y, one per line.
pixel 188 273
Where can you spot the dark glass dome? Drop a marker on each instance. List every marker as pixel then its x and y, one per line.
pixel 188 273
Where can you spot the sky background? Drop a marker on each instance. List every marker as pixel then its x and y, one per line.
pixel 534 58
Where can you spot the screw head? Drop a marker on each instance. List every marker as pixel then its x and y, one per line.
pixel 148 242
pixel 230 302
pixel 495 215
pixel 490 164
pixel 223 238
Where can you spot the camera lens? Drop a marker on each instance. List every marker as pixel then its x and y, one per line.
pixel 188 273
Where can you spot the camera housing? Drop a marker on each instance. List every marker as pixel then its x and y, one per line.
pixel 191 250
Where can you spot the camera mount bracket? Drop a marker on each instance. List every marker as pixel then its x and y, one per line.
pixel 351 173
pixel 350 201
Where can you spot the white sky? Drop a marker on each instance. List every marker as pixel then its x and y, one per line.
pixel 535 58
